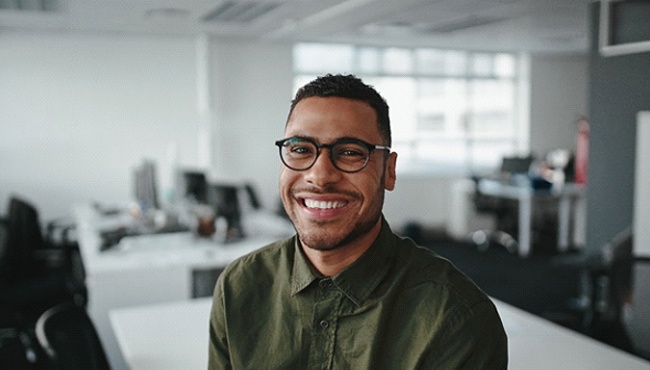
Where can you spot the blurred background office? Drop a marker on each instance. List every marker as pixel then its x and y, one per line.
pixel 92 92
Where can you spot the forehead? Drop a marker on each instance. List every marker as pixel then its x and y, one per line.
pixel 329 118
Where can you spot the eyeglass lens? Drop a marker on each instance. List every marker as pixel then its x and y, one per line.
pixel 300 154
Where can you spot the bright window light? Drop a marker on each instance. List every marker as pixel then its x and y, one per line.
pixel 452 111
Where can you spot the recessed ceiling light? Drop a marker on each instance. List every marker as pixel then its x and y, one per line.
pixel 167 14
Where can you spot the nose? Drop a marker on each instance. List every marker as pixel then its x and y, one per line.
pixel 323 172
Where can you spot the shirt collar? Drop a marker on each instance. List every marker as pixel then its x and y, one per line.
pixel 358 280
pixel 302 274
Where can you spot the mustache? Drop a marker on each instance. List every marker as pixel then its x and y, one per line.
pixel 325 190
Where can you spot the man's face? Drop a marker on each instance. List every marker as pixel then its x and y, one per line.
pixel 330 208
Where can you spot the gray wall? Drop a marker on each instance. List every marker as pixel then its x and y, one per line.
pixel 619 88
pixel 558 91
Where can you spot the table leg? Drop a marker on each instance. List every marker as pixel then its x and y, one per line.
pixel 563 223
pixel 525 220
pixel 580 221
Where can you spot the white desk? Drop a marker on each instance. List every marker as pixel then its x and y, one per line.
pixel 182 341
pixel 164 336
pixel 570 194
pixel 148 269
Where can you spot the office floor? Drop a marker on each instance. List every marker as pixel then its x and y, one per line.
pixel 531 284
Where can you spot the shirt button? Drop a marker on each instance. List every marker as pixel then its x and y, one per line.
pixel 324 324
pixel 325 283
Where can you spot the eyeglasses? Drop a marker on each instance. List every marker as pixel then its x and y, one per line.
pixel 346 154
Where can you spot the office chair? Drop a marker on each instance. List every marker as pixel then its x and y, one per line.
pixel 635 302
pixel 605 279
pixel 502 210
pixel 505 211
pixel 35 272
pixel 70 340
pixel 252 196
pixel 616 309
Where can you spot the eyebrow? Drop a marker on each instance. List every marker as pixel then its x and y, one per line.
pixel 336 140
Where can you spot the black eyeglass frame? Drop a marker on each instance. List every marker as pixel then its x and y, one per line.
pixel 281 143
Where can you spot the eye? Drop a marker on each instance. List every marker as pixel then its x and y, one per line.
pixel 351 151
pixel 300 149
pixel 297 147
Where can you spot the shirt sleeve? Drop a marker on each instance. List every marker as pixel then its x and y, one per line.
pixel 478 341
pixel 218 355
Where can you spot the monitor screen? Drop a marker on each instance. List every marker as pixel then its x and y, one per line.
pixel 516 165
pixel 195 186
pixel 145 188
pixel 225 201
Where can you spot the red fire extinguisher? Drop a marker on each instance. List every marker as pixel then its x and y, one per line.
pixel 582 151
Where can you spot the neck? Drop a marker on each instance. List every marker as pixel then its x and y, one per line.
pixel 331 262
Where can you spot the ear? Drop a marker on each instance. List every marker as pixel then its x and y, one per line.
pixel 389 172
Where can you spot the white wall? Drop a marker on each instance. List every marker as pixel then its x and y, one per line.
pixel 78 112
pixel 251 90
pixel 419 199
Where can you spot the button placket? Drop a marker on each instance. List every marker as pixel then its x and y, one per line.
pixel 325 286
pixel 326 311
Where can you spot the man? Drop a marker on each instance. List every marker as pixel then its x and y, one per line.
pixel 346 292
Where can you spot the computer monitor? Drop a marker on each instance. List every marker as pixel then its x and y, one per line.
pixel 194 186
pixel 516 165
pixel 145 187
pixel 224 199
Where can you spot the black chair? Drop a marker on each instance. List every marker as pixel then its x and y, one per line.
pixel 634 305
pixel 68 337
pixel 621 296
pixel 253 198
pixel 36 272
pixel 505 211
pixel 605 278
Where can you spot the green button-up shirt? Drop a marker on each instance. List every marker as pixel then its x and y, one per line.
pixel 398 306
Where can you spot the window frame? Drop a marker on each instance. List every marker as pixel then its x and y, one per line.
pixel 516 140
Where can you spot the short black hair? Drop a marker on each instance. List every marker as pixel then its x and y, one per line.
pixel 350 87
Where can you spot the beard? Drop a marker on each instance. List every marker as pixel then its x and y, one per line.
pixel 320 238
pixel 326 235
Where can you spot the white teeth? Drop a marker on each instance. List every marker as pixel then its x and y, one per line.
pixel 323 205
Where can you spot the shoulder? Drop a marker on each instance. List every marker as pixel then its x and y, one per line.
pixel 441 303
pixel 437 281
pixel 446 297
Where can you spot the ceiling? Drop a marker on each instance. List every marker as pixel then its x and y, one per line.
pixel 553 26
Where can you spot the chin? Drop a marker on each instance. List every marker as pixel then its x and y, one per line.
pixel 330 237
pixel 320 237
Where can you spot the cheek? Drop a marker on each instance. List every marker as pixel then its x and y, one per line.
pixel 372 188
pixel 286 179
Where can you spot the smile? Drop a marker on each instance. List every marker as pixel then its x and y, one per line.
pixel 317 204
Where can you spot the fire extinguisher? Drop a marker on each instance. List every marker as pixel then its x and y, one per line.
pixel 582 151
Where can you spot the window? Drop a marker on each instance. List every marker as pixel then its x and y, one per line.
pixel 452 111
